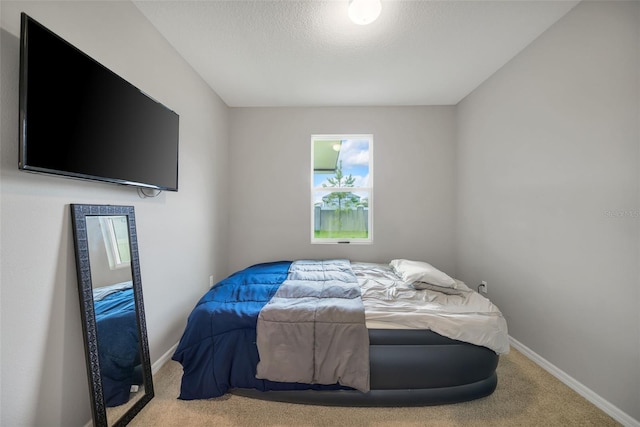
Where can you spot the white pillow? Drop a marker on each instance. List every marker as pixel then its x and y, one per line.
pixel 416 271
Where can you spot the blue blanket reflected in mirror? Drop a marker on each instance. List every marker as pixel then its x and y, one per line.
pixel 118 347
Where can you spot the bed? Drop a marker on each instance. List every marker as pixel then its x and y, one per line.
pixel 118 349
pixel 424 344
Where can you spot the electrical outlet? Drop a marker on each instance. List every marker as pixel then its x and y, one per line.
pixel 211 281
pixel 483 287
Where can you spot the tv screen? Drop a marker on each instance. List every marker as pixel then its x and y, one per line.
pixel 79 119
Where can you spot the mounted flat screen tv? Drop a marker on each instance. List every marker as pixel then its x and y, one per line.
pixel 79 119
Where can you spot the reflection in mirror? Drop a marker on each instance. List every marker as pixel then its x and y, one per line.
pixel 113 313
pixel 117 330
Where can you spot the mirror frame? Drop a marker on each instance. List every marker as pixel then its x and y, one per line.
pixel 79 213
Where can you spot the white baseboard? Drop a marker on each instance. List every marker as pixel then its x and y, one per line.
pixel 584 391
pixel 155 367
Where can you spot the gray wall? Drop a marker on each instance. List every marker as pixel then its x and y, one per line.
pixel 413 201
pixel 540 164
pixel 182 236
pixel 548 197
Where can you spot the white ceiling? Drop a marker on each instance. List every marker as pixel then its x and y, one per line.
pixel 308 53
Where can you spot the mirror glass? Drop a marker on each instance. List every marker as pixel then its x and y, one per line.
pixel 113 312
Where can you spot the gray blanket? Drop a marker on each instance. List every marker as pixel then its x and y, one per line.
pixel 313 329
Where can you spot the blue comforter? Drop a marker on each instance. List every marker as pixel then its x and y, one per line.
pixel 117 331
pixel 218 349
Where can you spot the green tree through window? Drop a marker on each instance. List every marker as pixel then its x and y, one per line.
pixel 344 200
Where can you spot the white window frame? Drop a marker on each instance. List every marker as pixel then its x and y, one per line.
pixel 111 243
pixel 369 189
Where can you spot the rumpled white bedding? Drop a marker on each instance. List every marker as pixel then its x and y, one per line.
pixel 460 314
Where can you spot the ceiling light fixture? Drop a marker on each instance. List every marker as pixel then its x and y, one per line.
pixel 363 12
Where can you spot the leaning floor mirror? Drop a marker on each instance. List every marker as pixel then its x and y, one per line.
pixel 112 311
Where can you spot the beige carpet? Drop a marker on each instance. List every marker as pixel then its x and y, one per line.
pixel 526 396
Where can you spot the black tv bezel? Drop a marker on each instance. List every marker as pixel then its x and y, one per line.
pixel 23 89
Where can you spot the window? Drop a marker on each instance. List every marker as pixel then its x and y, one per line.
pixel 341 188
pixel 115 232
